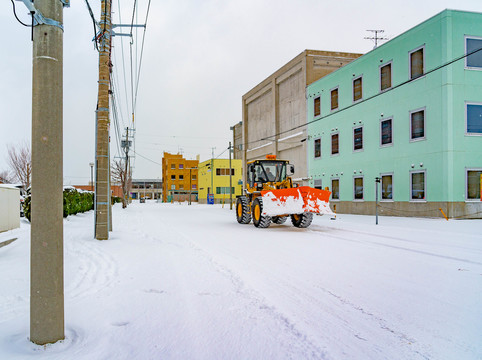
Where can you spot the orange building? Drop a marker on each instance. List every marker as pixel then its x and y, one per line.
pixel 179 178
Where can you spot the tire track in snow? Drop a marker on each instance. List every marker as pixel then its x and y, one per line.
pixel 421 252
pixel 300 345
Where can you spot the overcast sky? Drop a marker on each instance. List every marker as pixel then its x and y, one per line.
pixel 200 57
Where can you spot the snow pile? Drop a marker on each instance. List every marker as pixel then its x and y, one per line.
pixel 189 282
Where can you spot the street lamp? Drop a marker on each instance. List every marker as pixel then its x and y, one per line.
pixel 91 176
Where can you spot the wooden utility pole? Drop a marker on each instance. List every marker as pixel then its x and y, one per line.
pixel 126 178
pixel 102 188
pixel 46 252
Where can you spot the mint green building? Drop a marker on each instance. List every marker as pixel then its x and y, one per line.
pixel 408 113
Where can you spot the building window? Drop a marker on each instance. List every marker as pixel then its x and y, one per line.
pixel 474 118
pixel 224 190
pixel 335 189
pixel 358 138
pixel 317 148
pixel 318 184
pixel 387 187
pixel 335 145
pixel 181 166
pixel 358 188
pixel 194 186
pixel 474 60
pixel 334 99
pixel 223 172
pixel 173 187
pixel 386 77
pixel 181 177
pixel 193 177
pixel 173 177
pixel 357 89
pixel 417 125
pixel 181 187
pixel 317 106
pixel 173 166
pixel 386 132
pixel 417 185
pixel 416 63
pixel 474 184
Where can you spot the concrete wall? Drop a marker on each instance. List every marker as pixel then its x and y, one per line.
pixel 274 111
pixel 9 208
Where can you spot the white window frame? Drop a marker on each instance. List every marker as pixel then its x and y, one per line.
pixel 331 143
pixel 338 105
pixel 314 151
pixel 331 183
pixel 390 143
pixel 353 139
pixel 466 119
pixel 424 186
pixel 424 109
pixel 381 187
pixel 465 52
pixel 467 169
pixel 410 63
pixel 363 181
pixel 380 75
pixel 353 89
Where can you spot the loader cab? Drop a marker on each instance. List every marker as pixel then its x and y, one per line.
pixel 263 171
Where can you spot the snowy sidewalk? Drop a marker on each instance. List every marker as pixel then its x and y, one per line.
pixel 189 282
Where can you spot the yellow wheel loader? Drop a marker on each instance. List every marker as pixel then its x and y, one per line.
pixel 271 196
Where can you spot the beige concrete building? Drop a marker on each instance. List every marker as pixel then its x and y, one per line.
pixel 274 111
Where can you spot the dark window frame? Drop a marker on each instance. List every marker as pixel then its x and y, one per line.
pixel 318 139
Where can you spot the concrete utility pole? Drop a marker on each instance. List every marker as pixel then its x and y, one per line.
pixel 46 255
pixel 126 178
pixel 102 189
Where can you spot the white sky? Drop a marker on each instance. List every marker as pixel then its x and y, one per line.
pixel 200 57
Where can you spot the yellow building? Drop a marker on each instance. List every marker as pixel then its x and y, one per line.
pixel 214 174
pixel 179 178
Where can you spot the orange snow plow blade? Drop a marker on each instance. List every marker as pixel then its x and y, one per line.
pixel 296 201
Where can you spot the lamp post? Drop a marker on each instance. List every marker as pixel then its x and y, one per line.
pixel 377 181
pixel 91 176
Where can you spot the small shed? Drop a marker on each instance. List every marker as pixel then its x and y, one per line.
pixel 9 207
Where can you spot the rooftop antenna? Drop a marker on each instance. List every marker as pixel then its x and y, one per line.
pixel 376 37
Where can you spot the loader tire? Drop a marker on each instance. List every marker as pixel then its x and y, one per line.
pixel 243 214
pixel 279 219
pixel 259 220
pixel 302 220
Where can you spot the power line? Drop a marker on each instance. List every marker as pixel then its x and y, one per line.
pixel 142 156
pixel 94 22
pixel 16 17
pixel 142 51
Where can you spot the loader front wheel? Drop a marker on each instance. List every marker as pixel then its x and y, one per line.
pixel 302 220
pixel 243 214
pixel 258 219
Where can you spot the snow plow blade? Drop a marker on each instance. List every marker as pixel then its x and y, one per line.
pixel 296 201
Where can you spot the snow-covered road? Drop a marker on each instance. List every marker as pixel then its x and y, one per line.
pixel 189 282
